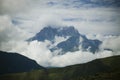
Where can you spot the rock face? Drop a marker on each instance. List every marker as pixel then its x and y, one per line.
pixel 14 63
pixel 73 43
pixel 49 33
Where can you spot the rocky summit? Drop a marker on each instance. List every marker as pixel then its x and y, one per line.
pixel 74 42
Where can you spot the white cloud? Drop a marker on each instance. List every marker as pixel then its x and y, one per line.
pixel 92 20
pixel 39 52
pixel 77 57
pixel 33 15
pixel 108 42
pixel 13 6
pixel 113 43
pixel 59 39
pixel 10 34
pixel 37 14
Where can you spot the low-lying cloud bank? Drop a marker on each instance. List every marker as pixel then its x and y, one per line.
pixel 12 39
pixel 39 52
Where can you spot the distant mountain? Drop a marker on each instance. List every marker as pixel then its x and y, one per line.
pixel 49 33
pixel 14 63
pixel 73 43
pixel 100 69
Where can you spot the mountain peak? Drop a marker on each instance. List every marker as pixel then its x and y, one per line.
pixel 49 33
pixel 72 43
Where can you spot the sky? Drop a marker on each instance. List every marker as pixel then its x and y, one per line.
pixel 22 19
pixel 88 16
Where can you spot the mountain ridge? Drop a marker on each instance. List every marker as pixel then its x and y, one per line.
pixel 99 69
pixel 71 44
pixel 14 63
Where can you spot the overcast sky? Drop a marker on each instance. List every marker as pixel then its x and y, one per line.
pixel 88 16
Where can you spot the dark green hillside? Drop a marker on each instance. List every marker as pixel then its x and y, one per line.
pixel 100 69
pixel 16 63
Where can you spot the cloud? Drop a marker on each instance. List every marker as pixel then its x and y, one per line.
pixel 33 15
pixel 11 41
pixel 18 6
pixel 112 43
pixel 38 13
pixel 78 57
pixel 40 52
pixel 108 42
pixel 13 6
pixel 10 34
pixel 92 20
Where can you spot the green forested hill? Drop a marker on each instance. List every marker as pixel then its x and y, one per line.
pixel 100 69
pixel 16 63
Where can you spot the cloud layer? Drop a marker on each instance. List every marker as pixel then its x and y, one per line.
pixel 103 19
pixel 39 50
